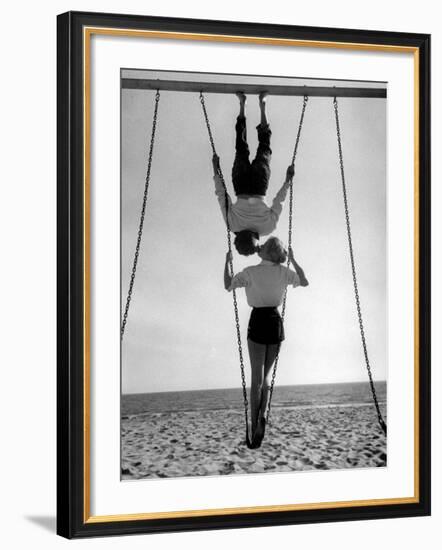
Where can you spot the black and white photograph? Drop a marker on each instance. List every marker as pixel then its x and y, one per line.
pixel 243 271
pixel 253 274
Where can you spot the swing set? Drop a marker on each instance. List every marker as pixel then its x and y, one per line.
pixel 230 88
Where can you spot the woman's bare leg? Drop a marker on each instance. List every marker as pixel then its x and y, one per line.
pixel 257 354
pixel 270 357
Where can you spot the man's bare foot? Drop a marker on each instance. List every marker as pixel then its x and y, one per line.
pixel 262 107
pixel 242 103
pixel 242 97
pixel 263 97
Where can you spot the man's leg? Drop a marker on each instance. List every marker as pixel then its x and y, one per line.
pixel 241 164
pixel 260 167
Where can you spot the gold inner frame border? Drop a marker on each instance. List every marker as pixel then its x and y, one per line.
pixel 88 32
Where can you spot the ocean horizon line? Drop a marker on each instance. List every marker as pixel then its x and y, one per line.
pixel 248 386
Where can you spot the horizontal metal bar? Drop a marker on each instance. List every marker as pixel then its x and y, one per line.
pixel 231 88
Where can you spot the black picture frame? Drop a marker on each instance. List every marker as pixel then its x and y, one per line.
pixel 72 516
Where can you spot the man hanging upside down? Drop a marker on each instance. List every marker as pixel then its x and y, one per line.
pixel 249 217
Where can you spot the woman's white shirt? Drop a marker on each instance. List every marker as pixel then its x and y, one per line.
pixel 265 283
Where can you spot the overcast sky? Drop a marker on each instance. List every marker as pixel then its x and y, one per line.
pixel 180 332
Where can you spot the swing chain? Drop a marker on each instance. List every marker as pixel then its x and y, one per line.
pixel 295 150
pixel 301 122
pixel 229 244
pixel 353 270
pixel 142 215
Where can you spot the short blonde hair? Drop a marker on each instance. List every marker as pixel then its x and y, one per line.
pixel 274 250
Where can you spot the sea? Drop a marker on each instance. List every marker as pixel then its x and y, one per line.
pixel 302 396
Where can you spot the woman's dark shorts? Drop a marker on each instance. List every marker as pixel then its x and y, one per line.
pixel 266 326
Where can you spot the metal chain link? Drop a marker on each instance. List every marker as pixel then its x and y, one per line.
pixel 229 244
pixel 353 269
pixel 295 150
pixel 142 215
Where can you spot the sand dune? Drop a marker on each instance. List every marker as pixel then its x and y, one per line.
pixel 200 443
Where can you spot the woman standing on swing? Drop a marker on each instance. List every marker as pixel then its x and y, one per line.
pixel 265 285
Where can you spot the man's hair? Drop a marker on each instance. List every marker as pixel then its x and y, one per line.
pixel 274 250
pixel 244 242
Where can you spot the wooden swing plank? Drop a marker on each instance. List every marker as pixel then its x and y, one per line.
pixel 232 88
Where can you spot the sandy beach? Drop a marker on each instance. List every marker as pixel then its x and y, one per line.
pixel 211 442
